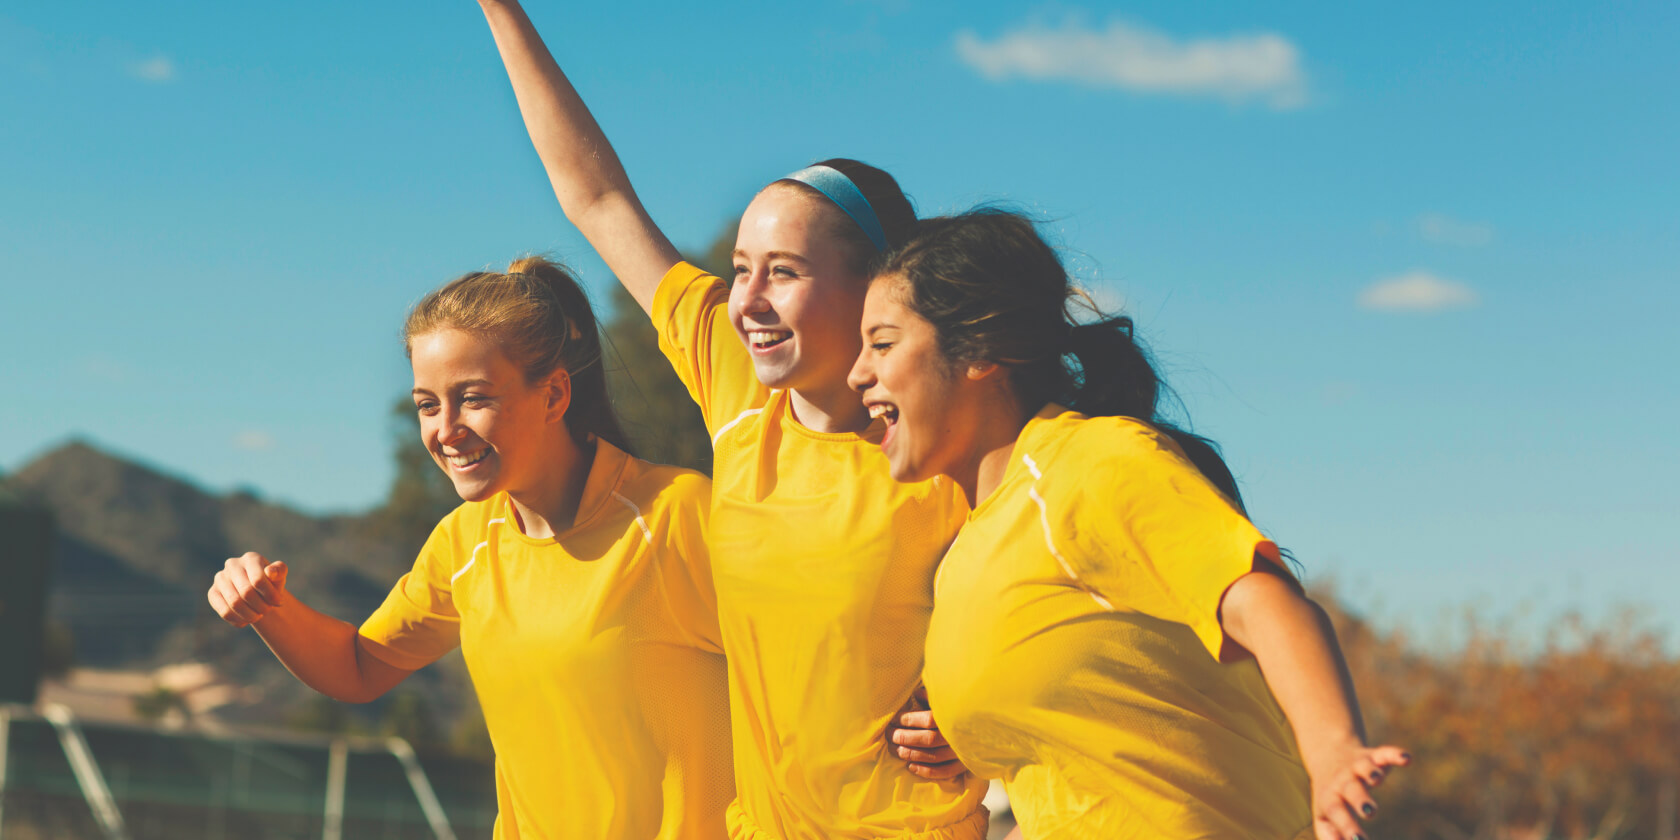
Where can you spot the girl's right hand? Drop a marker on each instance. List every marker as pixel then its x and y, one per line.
pixel 1341 790
pixel 248 588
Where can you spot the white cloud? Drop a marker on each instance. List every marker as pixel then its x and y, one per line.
pixel 1434 227
pixel 1417 291
pixel 253 440
pixel 159 69
pixel 1261 67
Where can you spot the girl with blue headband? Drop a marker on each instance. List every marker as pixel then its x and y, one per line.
pixel 822 563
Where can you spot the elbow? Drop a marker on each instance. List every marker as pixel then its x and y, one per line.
pixel 583 207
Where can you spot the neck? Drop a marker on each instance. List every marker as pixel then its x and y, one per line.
pixel 830 411
pixel 994 445
pixel 549 507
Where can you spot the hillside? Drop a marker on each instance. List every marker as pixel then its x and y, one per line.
pixel 137 549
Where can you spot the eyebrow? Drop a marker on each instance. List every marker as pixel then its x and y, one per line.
pixel 467 384
pixel 884 325
pixel 776 255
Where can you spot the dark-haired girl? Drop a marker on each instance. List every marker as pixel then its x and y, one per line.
pixel 822 562
pixel 1111 636
pixel 574 578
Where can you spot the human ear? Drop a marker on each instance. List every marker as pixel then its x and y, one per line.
pixel 557 391
pixel 980 371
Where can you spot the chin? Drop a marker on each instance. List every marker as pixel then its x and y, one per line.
pixel 904 473
pixel 774 376
pixel 474 491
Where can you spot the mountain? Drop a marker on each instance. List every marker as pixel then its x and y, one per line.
pixel 137 550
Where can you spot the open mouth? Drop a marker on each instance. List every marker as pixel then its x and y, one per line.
pixel 888 414
pixel 766 339
pixel 461 462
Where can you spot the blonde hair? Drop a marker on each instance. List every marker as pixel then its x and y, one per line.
pixel 539 315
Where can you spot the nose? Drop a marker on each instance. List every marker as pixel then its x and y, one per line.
pixel 753 286
pixel 862 375
pixel 450 430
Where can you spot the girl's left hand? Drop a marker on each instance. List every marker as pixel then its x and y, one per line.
pixel 916 738
pixel 1342 785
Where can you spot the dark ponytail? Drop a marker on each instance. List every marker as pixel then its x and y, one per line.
pixel 538 312
pixel 995 291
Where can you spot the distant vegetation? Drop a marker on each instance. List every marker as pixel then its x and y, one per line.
pixel 1575 737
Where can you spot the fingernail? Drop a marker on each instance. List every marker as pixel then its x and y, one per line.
pixel 1367 809
pixel 1376 775
pixel 1406 756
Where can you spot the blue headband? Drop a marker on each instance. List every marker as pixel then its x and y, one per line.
pixel 839 189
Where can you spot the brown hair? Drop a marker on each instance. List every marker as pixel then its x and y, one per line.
pixel 892 208
pixel 995 291
pixel 538 312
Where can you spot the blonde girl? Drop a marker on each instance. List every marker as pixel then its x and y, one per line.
pixel 574 577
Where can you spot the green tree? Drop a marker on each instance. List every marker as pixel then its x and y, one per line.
pixel 420 494
pixel 470 735
pixel 321 713
pixel 659 417
pixel 58 653
pixel 410 717
pixel 662 421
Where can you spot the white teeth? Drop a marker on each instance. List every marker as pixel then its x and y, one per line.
pixel 878 411
pixel 469 459
pixel 761 338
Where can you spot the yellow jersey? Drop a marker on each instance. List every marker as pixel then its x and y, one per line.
pixel 824 572
pixel 1076 652
pixel 595 654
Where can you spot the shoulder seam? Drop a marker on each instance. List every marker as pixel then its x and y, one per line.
pixel 724 429
pixel 1049 539
pixel 476 549
pixel 647 535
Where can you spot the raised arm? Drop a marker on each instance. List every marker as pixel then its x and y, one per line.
pixel 1293 642
pixel 318 649
pixel 590 183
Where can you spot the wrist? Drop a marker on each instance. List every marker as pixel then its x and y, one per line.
pixel 1328 755
pixel 279 613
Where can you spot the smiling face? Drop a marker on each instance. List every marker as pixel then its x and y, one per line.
pixel 932 407
pixel 484 426
pixel 797 295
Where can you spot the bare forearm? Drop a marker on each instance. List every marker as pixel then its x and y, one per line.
pixel 588 179
pixel 1295 645
pixel 1292 640
pixel 323 653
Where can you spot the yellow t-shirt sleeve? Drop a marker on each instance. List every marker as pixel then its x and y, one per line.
pixel 691 314
pixel 690 594
pixel 1164 540
pixel 418 622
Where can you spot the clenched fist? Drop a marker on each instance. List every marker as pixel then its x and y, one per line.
pixel 248 588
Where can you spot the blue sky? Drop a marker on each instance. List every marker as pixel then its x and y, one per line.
pixel 1412 265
